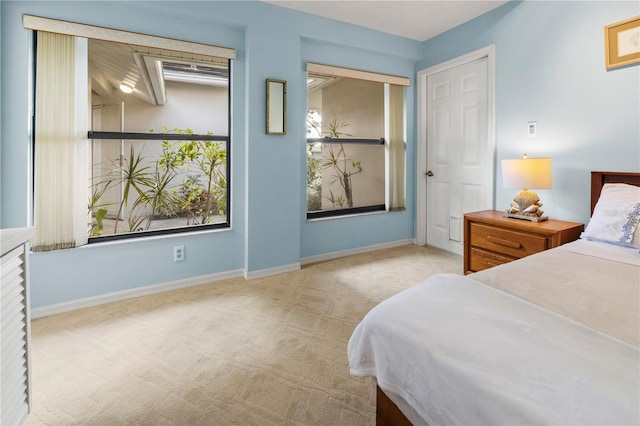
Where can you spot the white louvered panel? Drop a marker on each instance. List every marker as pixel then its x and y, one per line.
pixel 18 409
pixel 15 379
pixel 13 316
pixel 13 293
pixel 12 281
pixel 18 357
pixel 14 257
pixel 11 287
pixel 10 272
pixel 17 354
pixel 11 297
pixel 14 331
pixel 13 319
pixel 18 412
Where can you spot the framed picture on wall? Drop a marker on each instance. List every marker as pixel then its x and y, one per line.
pixel 622 43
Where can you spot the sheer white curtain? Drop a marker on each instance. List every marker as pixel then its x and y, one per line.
pixel 55 143
pixel 395 147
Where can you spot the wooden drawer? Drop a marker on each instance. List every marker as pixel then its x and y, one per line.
pixel 492 239
pixel 480 259
pixel 506 241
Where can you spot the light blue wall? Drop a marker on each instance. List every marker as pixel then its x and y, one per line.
pixel 268 172
pixel 550 69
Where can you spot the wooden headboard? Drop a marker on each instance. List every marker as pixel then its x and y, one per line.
pixel 598 179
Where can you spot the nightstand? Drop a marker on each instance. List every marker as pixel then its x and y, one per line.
pixel 490 239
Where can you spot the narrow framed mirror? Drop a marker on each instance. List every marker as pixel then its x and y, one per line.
pixel 276 107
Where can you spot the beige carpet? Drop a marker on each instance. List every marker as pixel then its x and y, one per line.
pixel 270 351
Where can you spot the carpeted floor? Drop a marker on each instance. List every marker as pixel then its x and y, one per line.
pixel 270 351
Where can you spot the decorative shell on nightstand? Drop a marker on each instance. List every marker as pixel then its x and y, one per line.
pixel 526 203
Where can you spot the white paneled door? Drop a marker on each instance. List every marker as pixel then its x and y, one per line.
pixel 457 151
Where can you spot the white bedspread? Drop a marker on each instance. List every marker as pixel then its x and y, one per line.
pixel 606 251
pixel 595 284
pixel 460 352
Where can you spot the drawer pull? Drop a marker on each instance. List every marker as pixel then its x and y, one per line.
pixel 506 243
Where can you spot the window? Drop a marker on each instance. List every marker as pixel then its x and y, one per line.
pixel 129 139
pixel 348 143
pixel 159 155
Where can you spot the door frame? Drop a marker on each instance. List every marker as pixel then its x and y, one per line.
pixel 423 75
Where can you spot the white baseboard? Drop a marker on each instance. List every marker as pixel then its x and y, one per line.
pixel 87 302
pixel 358 250
pixel 252 275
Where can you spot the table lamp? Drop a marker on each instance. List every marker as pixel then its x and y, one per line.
pixel 526 173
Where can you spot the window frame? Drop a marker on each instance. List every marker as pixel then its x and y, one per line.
pixel 37 24
pixel 395 189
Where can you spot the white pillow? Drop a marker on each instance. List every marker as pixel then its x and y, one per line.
pixel 616 215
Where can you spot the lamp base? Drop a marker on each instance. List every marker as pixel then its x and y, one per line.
pixel 526 206
pixel 526 217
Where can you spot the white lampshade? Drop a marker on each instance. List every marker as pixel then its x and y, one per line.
pixel 527 173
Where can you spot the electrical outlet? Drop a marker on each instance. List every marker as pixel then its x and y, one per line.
pixel 178 253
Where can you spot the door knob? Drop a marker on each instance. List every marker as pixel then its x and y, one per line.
pixel 429 173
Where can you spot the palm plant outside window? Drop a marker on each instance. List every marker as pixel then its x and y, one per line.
pixel 345 146
pixel 160 163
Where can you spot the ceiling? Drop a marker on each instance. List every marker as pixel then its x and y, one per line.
pixel 414 19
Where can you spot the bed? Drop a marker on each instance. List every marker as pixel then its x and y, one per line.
pixel 552 338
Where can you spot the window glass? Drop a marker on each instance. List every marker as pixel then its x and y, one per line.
pixel 130 133
pixel 157 185
pixel 346 153
pixel 169 89
pixel 145 183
